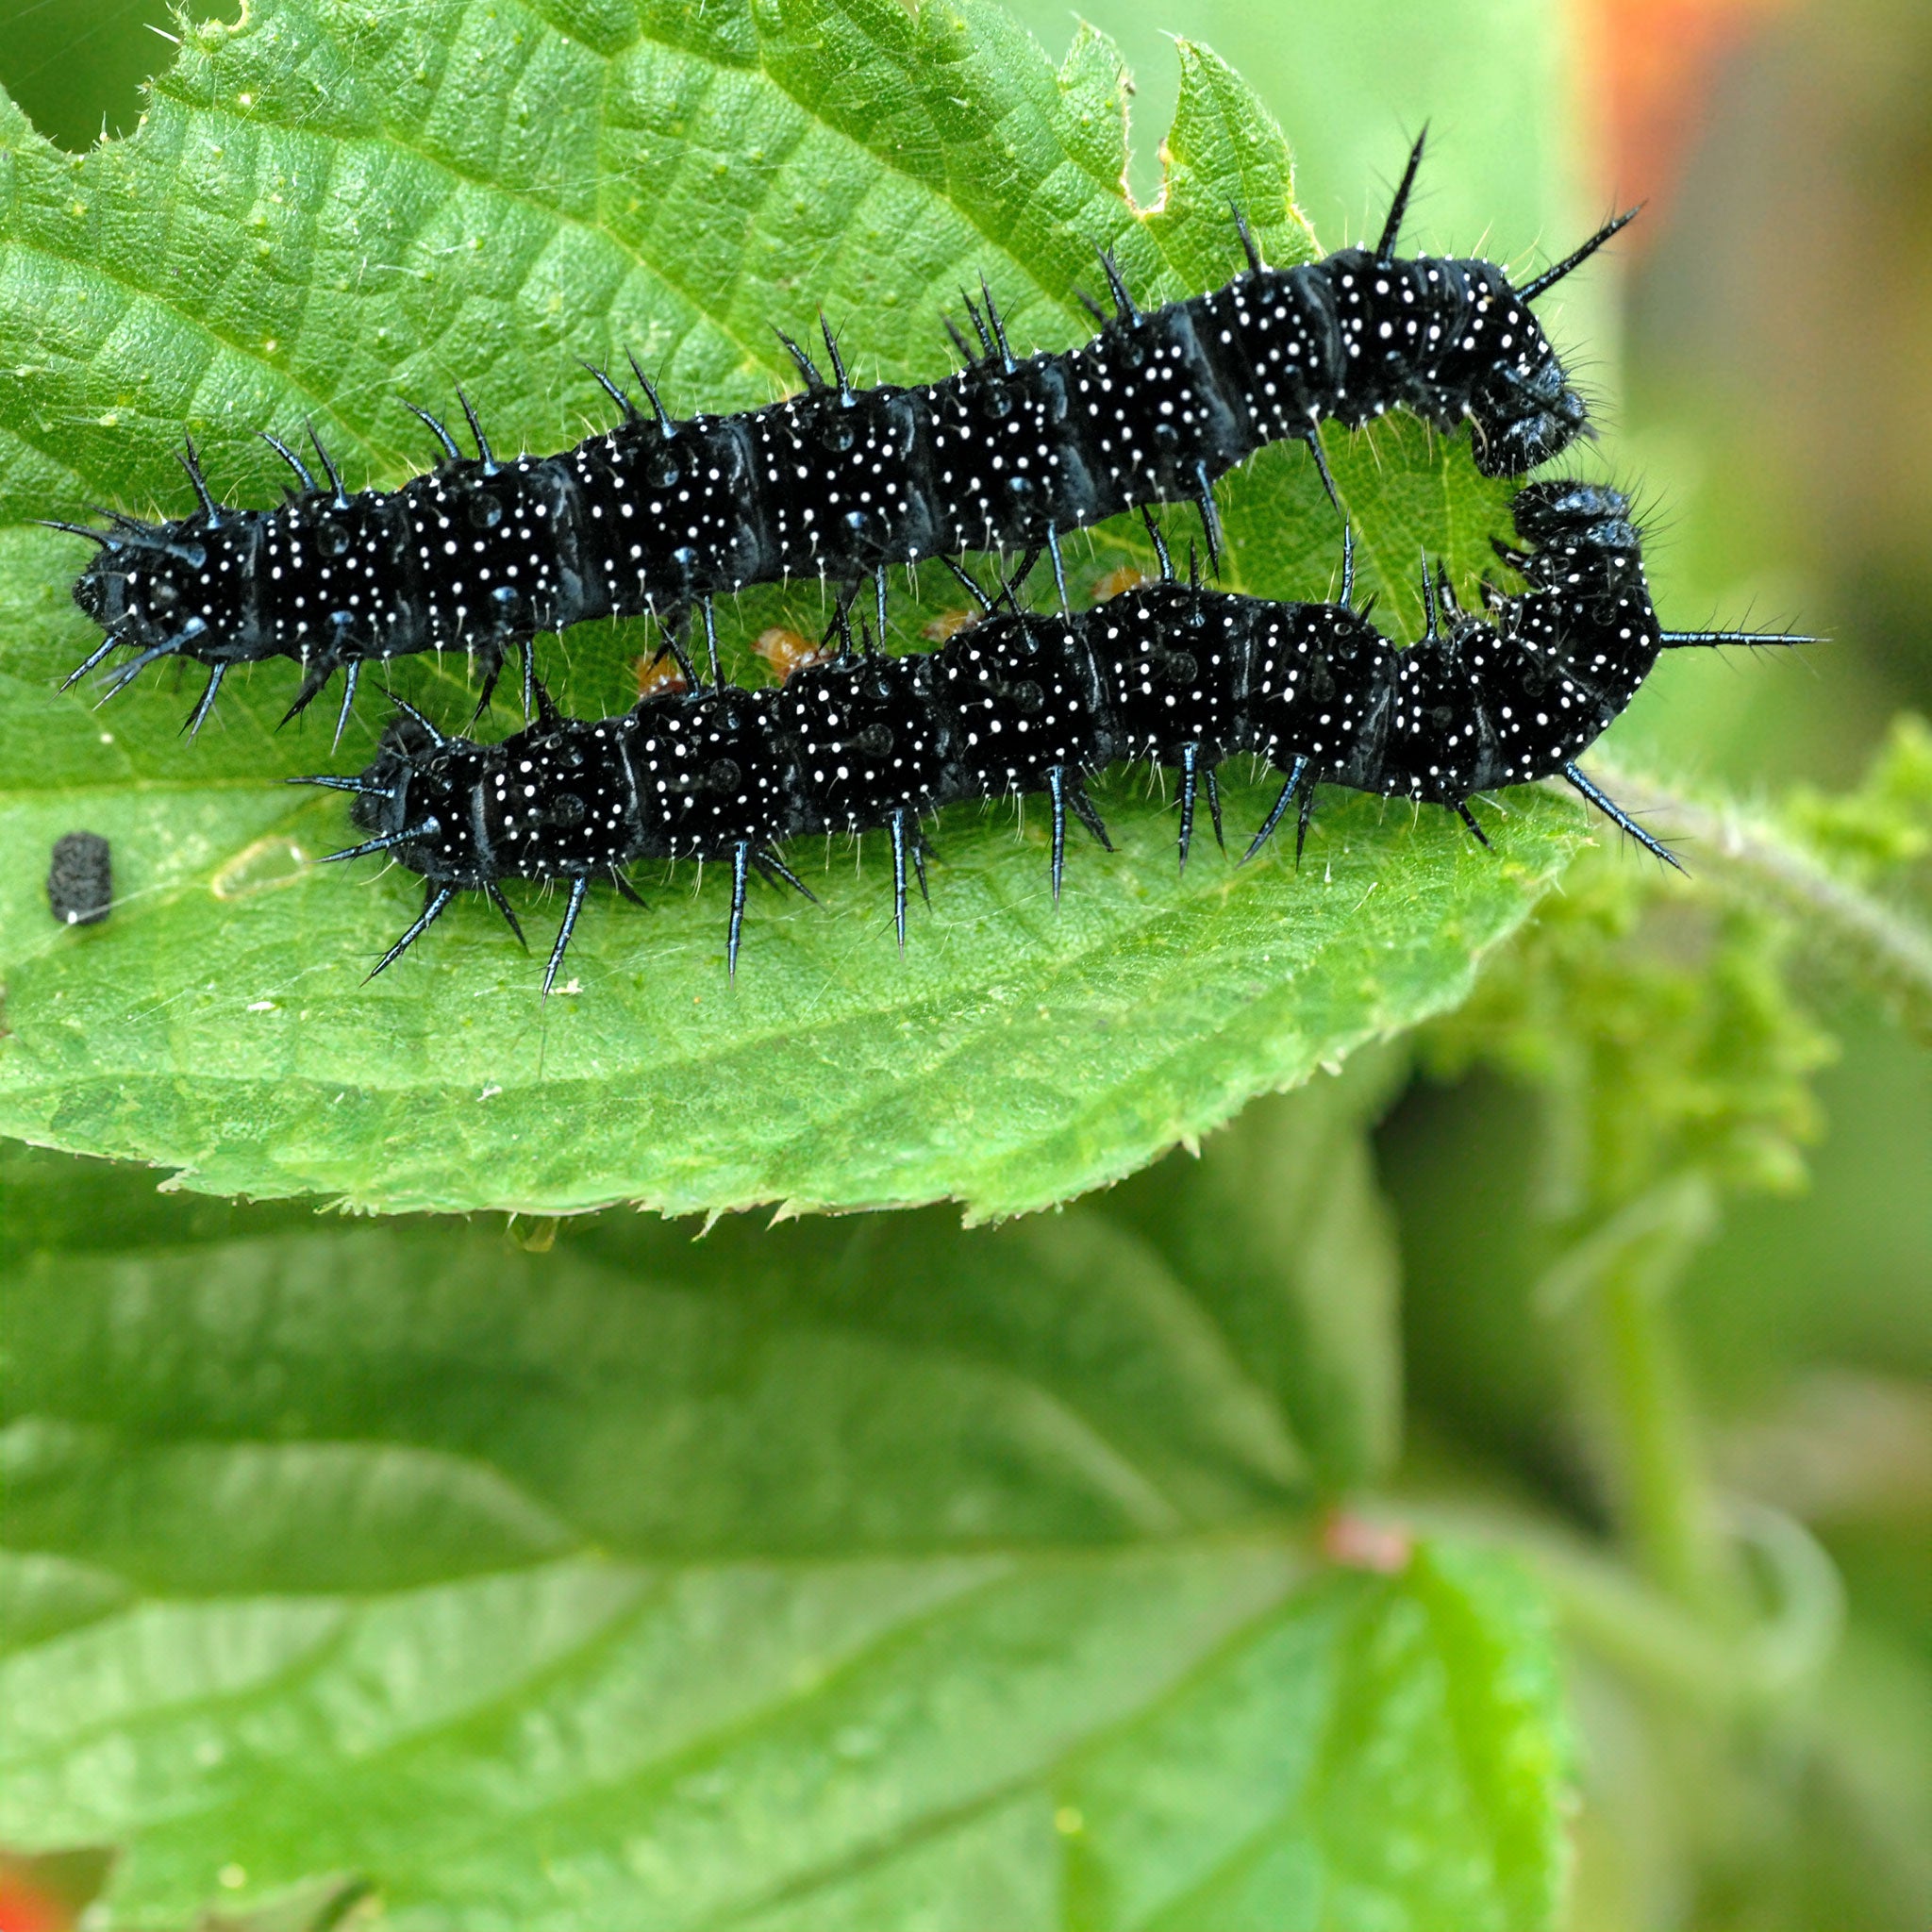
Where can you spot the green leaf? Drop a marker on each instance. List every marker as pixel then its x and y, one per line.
pixel 334 205
pixel 853 1574
pixel 1279 1227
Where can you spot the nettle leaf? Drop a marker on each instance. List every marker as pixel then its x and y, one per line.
pixel 853 1574
pixel 336 205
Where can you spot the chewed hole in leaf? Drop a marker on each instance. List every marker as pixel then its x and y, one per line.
pixel 79 69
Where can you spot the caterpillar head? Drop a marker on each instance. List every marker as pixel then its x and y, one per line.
pixel 1524 410
pixel 155 586
pixel 1566 522
pixel 412 798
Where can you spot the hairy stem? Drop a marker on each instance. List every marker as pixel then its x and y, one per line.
pixel 1747 853
pixel 1620 1278
pixel 1663 1497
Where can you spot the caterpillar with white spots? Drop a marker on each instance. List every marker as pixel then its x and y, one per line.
pixel 1023 702
pixel 659 516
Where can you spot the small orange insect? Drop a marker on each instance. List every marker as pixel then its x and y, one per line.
pixel 786 651
pixel 659 675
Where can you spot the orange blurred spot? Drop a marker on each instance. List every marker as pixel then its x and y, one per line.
pixel 657 674
pixel 949 624
pixel 50 1891
pixel 786 651
pixel 1652 62
pixel 25 1909
pixel 1357 1543
pixel 1117 581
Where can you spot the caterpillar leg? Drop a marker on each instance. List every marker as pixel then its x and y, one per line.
pixel 1278 809
pixel 1313 439
pixel 316 674
pixel 438 903
pixel 1060 569
pixel 206 704
pixel 1083 810
pixel 740 871
pixel 110 643
pixel 1065 789
pixel 579 887
pixel 772 867
pixel 1469 819
pixel 349 681
pixel 1307 813
pixel 1057 791
pixel 127 673
pixel 896 826
pixel 386 842
pixel 1211 517
pixel 1193 775
pixel 490 660
pixel 510 918
pixel 1621 819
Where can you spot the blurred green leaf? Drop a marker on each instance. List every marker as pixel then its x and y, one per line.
pixel 877 1574
pixel 1280 1228
pixel 61 1202
pixel 332 207
pixel 1662 1031
pixel 316 1905
pixel 1883 828
pixel 1355 83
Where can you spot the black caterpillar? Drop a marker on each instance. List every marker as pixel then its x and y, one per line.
pixel 1024 703
pixel 659 516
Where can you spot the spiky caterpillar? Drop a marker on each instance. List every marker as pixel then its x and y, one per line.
pixel 659 516
pixel 1025 702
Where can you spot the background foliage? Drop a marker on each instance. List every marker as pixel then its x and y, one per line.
pixel 1189 1558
